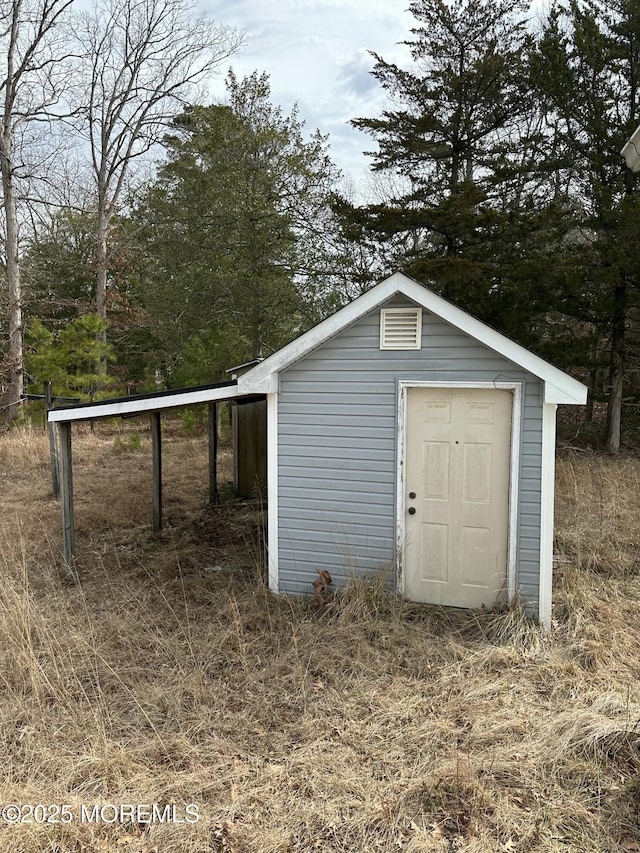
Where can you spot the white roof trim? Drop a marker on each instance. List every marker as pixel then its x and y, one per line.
pixel 631 151
pixel 135 406
pixel 559 387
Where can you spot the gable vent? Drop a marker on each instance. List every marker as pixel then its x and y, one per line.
pixel 400 328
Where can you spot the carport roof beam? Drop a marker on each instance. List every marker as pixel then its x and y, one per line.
pixel 143 403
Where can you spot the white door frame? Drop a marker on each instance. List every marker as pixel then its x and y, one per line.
pixel 514 468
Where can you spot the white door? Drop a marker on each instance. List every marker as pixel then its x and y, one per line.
pixel 456 501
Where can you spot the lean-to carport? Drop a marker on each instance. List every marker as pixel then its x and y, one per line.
pixel 153 405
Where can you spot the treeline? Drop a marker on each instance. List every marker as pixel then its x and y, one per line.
pixel 496 177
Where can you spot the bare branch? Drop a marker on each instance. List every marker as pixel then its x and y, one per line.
pixel 141 60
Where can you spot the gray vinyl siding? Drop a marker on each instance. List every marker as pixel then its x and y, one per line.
pixel 337 445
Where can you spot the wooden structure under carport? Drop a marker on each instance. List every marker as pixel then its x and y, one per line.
pixel 249 428
pixel 124 407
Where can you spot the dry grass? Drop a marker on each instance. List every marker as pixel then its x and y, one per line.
pixel 374 725
pixel 597 519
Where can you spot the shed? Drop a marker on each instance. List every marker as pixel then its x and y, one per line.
pixel 406 436
pixel 402 435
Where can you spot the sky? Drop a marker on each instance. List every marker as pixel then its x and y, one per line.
pixel 316 53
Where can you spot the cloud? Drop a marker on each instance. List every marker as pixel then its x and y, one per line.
pixel 355 76
pixel 316 53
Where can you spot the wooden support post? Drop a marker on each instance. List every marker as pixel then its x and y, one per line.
pixel 214 497
pixel 53 444
pixel 156 444
pixel 68 517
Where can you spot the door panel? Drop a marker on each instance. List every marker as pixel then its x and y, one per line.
pixel 476 473
pixel 436 470
pixel 435 552
pixel 457 467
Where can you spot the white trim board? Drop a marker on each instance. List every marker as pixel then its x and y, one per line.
pixel 559 387
pixel 134 406
pixel 547 486
pixel 631 151
pixel 514 468
pixel 272 490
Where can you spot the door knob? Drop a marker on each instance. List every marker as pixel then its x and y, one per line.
pixel 412 510
pixel 412 495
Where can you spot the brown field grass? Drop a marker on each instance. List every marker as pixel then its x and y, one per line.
pixel 374 725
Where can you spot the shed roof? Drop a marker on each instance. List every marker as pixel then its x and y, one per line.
pixel 559 387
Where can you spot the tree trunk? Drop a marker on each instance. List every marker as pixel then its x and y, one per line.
pixel 14 292
pixel 616 370
pixel 588 409
pixel 101 285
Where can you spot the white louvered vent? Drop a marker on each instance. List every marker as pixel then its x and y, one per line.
pixel 400 328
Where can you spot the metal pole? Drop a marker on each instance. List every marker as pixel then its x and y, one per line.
pixel 214 497
pixel 68 516
pixel 53 444
pixel 156 444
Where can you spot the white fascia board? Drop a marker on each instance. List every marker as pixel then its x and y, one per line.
pixel 552 394
pixel 149 404
pixel 263 378
pixel 631 151
pixel 569 389
pixel 260 379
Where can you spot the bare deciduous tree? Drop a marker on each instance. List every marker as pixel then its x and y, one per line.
pixel 31 77
pixel 141 60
